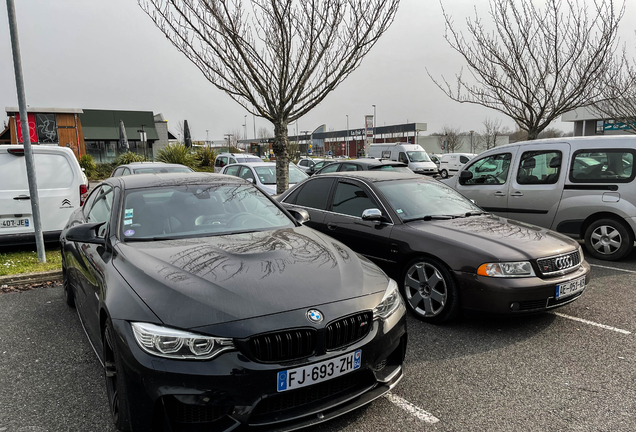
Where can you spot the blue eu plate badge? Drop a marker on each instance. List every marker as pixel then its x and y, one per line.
pixel 282 380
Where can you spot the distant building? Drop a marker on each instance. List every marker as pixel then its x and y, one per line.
pixel 91 131
pixel 47 126
pixel 588 122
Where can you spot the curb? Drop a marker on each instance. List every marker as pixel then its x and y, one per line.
pixel 31 278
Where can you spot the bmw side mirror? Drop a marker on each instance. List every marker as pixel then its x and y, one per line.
pixel 372 214
pixel 464 176
pixel 300 215
pixel 86 233
pixel 251 180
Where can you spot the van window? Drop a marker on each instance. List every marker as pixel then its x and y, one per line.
pixel 463 159
pixel 539 167
pixel 402 158
pixel 602 165
pixel 220 162
pixel 491 170
pixel 246 174
pixel 417 156
pixel 351 200
pixel 53 171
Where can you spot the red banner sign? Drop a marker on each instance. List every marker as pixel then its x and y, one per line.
pixel 33 133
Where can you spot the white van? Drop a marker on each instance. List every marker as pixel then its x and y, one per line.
pixel 451 163
pixel 583 187
pixel 61 189
pixel 224 159
pixel 411 154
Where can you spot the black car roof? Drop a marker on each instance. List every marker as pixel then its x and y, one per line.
pixel 373 162
pixel 376 176
pixel 138 181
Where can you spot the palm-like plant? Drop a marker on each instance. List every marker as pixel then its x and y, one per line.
pixel 177 154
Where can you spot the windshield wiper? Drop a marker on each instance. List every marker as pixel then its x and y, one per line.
pixel 475 213
pixel 431 217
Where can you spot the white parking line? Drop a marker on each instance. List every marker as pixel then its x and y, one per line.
pixel 603 326
pixel 411 409
pixel 613 268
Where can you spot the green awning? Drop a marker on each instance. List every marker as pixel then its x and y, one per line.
pixel 103 125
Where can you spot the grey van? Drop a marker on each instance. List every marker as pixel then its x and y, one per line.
pixel 583 187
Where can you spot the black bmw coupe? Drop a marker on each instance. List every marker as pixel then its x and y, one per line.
pixel 211 307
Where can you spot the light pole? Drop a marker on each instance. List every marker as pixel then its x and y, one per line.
pixel 304 133
pixel 347 137
pixel 207 138
pixel 471 140
pixel 245 125
pixel 374 120
pixel 229 136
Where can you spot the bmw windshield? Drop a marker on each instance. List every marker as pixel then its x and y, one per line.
pixel 413 200
pixel 418 156
pixel 198 210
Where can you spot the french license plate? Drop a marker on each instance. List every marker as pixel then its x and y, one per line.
pixel 291 379
pixel 569 288
pixel 14 223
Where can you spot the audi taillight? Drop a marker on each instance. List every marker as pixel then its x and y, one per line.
pixel 83 194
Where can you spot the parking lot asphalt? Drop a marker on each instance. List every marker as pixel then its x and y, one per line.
pixel 573 370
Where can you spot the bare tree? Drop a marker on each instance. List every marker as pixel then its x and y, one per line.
pixel 538 63
pixel 450 139
pixel 487 138
pixel 277 58
pixel 618 103
pixel 263 132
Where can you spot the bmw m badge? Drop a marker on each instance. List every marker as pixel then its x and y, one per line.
pixel 315 316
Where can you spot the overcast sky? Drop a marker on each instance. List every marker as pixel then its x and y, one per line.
pixel 109 55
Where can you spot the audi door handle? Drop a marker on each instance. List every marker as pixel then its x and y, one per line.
pixel 499 193
pixel 332 226
pixel 22 197
pixel 516 194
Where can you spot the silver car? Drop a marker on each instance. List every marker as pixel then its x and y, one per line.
pixel 583 187
pixel 263 174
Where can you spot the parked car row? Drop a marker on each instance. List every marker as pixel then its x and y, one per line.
pixel 213 306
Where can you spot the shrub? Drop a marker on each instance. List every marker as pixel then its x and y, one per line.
pixel 102 171
pixel 128 157
pixel 205 156
pixel 88 163
pixel 175 153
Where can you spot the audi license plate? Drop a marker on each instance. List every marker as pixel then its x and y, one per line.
pixel 569 288
pixel 291 379
pixel 14 223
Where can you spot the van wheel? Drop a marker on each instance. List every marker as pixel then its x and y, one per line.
pixel 443 173
pixel 608 239
pixel 430 291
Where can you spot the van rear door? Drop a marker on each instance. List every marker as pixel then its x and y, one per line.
pixel 58 178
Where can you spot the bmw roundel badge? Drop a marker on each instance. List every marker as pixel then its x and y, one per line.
pixel 315 316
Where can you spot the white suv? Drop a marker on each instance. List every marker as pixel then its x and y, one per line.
pixel 224 159
pixel 62 188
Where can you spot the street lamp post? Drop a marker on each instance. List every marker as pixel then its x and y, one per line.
pixel 229 136
pixel 471 141
pixel 245 126
pixel 207 138
pixel 374 122
pixel 347 137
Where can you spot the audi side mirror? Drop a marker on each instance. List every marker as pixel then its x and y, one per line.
pixel 372 214
pixel 300 215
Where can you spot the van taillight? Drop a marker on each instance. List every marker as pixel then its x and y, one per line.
pixel 83 194
pixel 16 151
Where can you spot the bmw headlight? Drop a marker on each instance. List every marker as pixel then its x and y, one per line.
pixel 177 344
pixel 390 302
pixel 506 269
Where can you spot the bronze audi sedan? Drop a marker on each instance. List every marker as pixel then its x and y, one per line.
pixel 446 253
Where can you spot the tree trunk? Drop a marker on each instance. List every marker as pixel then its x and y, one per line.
pixel 281 151
pixel 533 133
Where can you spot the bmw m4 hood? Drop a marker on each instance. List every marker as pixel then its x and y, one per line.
pixel 204 281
